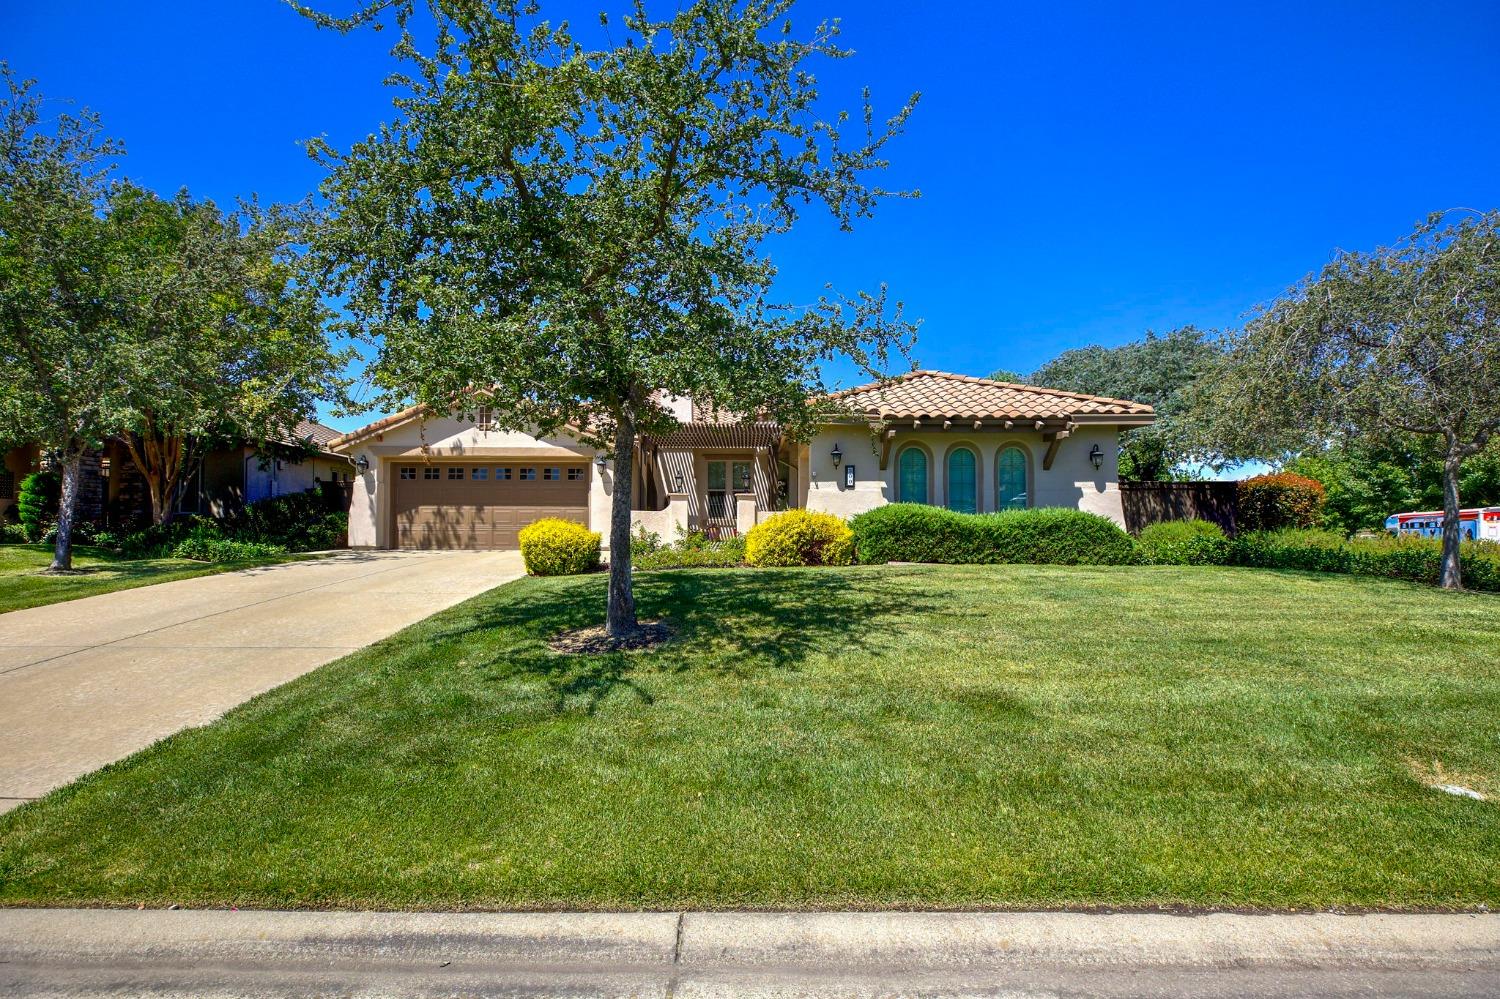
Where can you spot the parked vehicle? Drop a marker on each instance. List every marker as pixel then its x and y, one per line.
pixel 1478 524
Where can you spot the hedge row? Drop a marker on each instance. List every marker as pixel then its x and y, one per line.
pixel 1418 560
pixel 913 532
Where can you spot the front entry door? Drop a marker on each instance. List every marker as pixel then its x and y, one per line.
pixel 720 500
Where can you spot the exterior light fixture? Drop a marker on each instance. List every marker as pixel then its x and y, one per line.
pixel 362 463
pixel 599 461
pixel 837 455
pixel 745 477
pixel 1096 456
pixel 679 484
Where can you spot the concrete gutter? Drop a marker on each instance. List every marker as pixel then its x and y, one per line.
pixel 271 953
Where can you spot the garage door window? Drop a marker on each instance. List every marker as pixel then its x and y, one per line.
pixel 408 471
pixel 479 474
pixel 574 474
pixel 502 473
pixel 528 473
pixel 455 472
pixel 430 472
pixel 551 474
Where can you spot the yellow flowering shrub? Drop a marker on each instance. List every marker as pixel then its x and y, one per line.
pixel 800 537
pixel 554 547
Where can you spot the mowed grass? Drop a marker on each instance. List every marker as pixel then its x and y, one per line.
pixel 923 736
pixel 22 583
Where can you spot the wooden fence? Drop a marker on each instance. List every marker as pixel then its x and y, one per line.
pixel 1153 502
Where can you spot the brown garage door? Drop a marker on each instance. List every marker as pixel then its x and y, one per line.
pixel 480 504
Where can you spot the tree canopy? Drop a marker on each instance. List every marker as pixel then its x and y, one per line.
pixel 59 267
pixel 1401 342
pixel 580 229
pixel 1160 370
pixel 218 341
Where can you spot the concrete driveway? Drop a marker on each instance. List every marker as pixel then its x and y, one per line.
pixel 86 682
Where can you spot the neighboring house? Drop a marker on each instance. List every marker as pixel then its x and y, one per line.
pixel 969 444
pixel 113 492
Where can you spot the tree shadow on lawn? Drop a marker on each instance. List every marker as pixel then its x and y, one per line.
pixel 734 623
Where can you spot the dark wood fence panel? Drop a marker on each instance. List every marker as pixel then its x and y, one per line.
pixel 1153 502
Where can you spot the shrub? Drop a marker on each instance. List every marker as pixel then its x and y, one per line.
pixel 1415 559
pixel 800 537
pixel 912 532
pixel 301 522
pixel 12 534
pixel 205 548
pixel 554 547
pixel 1183 542
pixel 1272 502
pixel 643 542
pixel 36 504
pixel 708 554
pixel 160 540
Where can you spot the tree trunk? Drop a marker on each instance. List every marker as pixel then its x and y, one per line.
pixel 160 462
pixel 1451 577
pixel 67 510
pixel 621 614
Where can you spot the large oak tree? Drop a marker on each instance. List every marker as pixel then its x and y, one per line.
pixel 580 228
pixel 1402 342
pixel 59 304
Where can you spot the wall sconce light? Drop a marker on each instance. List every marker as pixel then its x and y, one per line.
pixel 362 463
pixel 680 486
pixel 600 461
pixel 744 478
pixel 1096 456
pixel 837 455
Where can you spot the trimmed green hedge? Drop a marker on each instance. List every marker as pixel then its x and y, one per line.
pixel 1417 560
pixel 913 532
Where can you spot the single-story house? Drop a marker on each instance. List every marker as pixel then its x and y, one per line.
pixel 970 444
pixel 113 492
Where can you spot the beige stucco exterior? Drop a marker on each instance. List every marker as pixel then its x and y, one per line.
pixel 814 482
pixel 369 522
pixel 1071 482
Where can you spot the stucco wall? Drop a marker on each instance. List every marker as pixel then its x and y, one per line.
pixel 1071 482
pixel 369 524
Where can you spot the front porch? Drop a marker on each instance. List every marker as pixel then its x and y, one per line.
pixel 720 479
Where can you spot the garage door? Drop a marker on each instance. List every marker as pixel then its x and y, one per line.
pixel 483 504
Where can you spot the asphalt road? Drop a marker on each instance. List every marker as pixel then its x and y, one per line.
pixel 215 954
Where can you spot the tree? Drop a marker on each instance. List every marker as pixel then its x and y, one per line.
pixel 1400 342
pixel 59 263
pixel 1160 370
pixel 1006 375
pixel 224 345
pixel 577 230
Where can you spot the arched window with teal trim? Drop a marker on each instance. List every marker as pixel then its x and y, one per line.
pixel 912 484
pixel 1010 480
pixel 963 484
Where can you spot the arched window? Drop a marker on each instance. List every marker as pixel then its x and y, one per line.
pixel 1010 480
pixel 912 487
pixel 963 484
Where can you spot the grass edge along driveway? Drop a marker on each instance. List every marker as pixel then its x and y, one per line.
pixel 23 585
pixel 892 737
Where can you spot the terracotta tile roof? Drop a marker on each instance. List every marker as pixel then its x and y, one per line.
pixel 938 394
pixel 314 433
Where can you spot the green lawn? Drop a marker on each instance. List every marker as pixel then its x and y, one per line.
pixel 905 736
pixel 21 585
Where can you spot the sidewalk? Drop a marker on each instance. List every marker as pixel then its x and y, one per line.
pixel 114 952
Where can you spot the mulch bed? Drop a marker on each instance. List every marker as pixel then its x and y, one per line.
pixel 596 640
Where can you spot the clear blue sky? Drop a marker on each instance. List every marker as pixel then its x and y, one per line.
pixel 1087 172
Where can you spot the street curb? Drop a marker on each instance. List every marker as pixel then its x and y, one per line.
pixel 730 941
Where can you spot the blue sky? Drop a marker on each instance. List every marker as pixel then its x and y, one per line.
pixel 1088 172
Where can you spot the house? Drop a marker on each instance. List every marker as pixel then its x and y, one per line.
pixel 970 444
pixel 113 493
